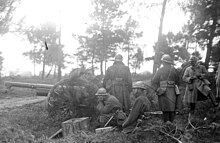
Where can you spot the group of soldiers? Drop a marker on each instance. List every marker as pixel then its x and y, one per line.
pixel 114 102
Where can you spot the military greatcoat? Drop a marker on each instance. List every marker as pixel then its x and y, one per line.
pixel 198 84
pixel 118 82
pixel 169 101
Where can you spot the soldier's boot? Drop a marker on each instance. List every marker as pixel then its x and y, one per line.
pixel 212 98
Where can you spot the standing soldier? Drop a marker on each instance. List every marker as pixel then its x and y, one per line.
pixel 117 82
pixel 165 81
pixel 141 105
pixel 197 86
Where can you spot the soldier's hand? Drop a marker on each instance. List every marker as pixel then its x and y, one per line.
pixel 192 78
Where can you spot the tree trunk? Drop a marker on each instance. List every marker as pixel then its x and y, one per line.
pixel 105 65
pixel 101 65
pixel 59 73
pixel 158 48
pixel 43 71
pixel 211 36
pixel 49 71
pixel 128 54
pixel 54 72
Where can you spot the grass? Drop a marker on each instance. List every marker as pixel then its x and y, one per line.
pixel 31 124
pixel 33 118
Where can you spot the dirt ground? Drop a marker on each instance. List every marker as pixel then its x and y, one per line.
pixel 17 97
pixel 13 102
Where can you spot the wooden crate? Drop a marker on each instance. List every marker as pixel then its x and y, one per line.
pixel 103 130
pixel 70 127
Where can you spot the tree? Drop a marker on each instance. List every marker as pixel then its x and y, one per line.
pixel 44 35
pixel 102 37
pixel 159 41
pixel 105 14
pixel 1 62
pixel 174 45
pixel 129 36
pixel 204 23
pixel 7 7
pixel 138 59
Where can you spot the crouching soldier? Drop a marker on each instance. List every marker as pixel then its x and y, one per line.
pixel 110 109
pixel 141 105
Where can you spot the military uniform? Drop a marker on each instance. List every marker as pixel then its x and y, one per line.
pixel 191 94
pixel 109 107
pixel 197 86
pixel 141 105
pixel 118 82
pixel 167 78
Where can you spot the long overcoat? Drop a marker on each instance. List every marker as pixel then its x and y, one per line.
pixel 169 101
pixel 197 89
pixel 118 82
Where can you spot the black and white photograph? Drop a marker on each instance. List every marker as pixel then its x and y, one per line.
pixel 109 71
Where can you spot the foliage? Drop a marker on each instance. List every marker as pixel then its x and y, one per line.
pixel 102 37
pixel 175 46
pixel 7 7
pixel 105 35
pixel 129 34
pixel 204 23
pixel 41 36
pixel 1 62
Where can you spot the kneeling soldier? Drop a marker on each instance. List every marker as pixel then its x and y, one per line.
pixel 141 105
pixel 110 109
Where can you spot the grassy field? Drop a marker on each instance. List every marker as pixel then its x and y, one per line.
pixel 30 124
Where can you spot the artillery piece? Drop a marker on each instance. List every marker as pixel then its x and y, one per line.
pixel 73 97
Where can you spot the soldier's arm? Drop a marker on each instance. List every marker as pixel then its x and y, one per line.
pixel 100 107
pixel 133 116
pixel 186 76
pixel 107 107
pixel 177 79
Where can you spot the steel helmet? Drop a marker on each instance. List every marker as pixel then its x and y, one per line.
pixel 193 58
pixel 101 91
pixel 139 84
pixel 119 57
pixel 167 59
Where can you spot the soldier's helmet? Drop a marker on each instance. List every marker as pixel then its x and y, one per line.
pixel 193 59
pixel 139 85
pixel 101 91
pixel 119 57
pixel 167 59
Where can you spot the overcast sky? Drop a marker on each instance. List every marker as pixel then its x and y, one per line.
pixel 72 15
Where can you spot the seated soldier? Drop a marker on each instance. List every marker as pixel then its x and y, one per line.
pixel 110 109
pixel 141 105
